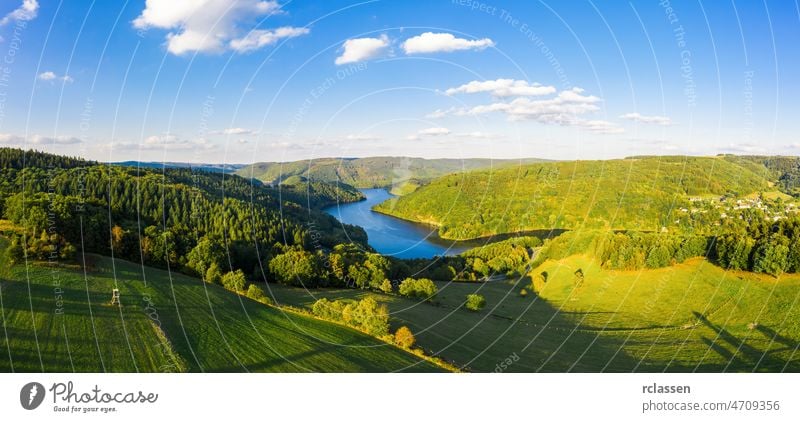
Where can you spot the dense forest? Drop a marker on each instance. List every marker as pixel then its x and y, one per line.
pixel 180 219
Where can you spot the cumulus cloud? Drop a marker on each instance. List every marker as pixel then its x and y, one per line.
pixel 432 42
pixel 9 139
pixel 567 108
pixel 360 49
pixel 431 131
pixel 503 88
pixel 51 76
pixel 564 105
pixel 655 120
pixel 212 25
pixel 259 38
pixel 26 12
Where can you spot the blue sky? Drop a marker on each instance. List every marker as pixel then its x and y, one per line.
pixel 254 80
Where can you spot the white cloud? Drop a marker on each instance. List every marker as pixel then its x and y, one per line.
pixel 26 12
pixel 361 137
pixel 360 49
pixel 431 131
pixel 439 113
pixel 50 76
pixel 431 42
pixel 746 148
pixel 164 142
pixel 565 105
pixel 656 120
pixel 234 131
pixel 564 109
pixel 503 88
pixel 9 139
pixel 598 126
pixel 259 38
pixel 212 25
pixel 477 135
pixel 434 131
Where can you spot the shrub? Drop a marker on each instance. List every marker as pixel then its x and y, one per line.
pixel 326 309
pixel 15 252
pixel 366 315
pixel 256 293
pixel 296 267
pixel 214 275
pixel 475 302
pixel 386 286
pixel 421 288
pixel 234 280
pixel 404 338
pixel 523 293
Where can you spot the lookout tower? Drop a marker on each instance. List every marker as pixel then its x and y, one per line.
pixel 115 297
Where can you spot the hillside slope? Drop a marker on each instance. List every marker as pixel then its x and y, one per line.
pixel 693 316
pixel 371 172
pixel 631 194
pixel 59 320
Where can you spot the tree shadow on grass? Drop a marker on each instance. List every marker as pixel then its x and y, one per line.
pixel 740 355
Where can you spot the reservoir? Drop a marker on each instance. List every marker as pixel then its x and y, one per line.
pixel 392 236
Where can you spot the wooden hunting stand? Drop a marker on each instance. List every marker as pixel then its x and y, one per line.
pixel 115 297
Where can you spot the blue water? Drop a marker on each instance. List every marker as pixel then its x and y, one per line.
pixel 393 236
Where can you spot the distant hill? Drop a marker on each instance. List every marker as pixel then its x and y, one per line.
pixel 209 167
pixel 317 194
pixel 631 194
pixel 372 172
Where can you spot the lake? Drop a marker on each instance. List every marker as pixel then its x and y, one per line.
pixel 393 236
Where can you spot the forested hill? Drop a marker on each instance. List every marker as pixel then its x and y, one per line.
pixel 372 172
pixel 154 216
pixel 18 159
pixel 632 194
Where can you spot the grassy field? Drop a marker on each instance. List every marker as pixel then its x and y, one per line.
pixel 690 317
pixel 58 319
pixel 630 194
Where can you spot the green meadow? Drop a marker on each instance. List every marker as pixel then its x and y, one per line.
pixel 58 319
pixel 693 316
